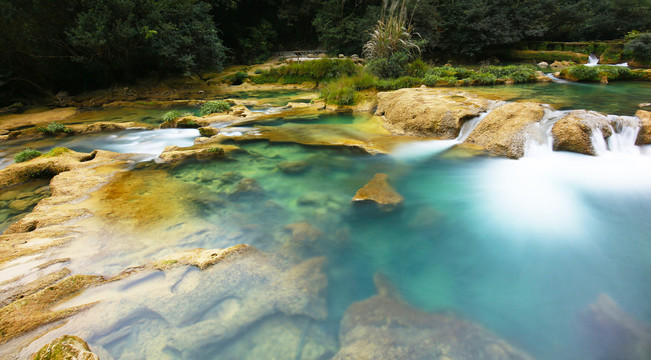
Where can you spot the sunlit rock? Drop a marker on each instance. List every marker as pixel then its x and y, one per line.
pixel 503 130
pixel 208 131
pixel 378 191
pixel 614 334
pixel 386 327
pixel 202 151
pixel 66 347
pixel 644 135
pixel 200 258
pixel 574 132
pixel 428 112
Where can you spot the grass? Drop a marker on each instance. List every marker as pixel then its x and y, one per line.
pixel 26 155
pixel 212 107
pixel 57 151
pixel 596 73
pixel 55 128
pixel 307 71
pixel 548 55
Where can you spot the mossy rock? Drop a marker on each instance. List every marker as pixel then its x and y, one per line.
pixel 66 347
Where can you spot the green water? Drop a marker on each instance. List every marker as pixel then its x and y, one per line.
pixel 520 247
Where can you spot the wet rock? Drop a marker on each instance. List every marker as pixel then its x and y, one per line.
pixel 573 132
pixel 303 232
pixel 245 188
pixel 378 191
pixel 66 347
pixel 428 112
pixel 230 177
pixel 36 118
pixel 503 130
pixel 20 205
pixel 200 258
pixel 561 64
pixel 644 135
pixel 173 153
pixel 104 127
pixel 614 333
pixel 385 327
pixel 293 167
pixel 208 131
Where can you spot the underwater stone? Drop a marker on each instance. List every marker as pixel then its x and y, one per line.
pixel 66 347
pixel 378 191
pixel 293 167
pixel 247 187
pixel 386 327
pixel 303 232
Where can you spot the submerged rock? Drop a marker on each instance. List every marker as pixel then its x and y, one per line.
pixel 303 232
pixel 644 135
pixel 378 191
pixel 293 167
pixel 574 131
pixel 503 130
pixel 246 187
pixel 66 347
pixel 428 112
pixel 385 327
pixel 200 258
pixel 614 333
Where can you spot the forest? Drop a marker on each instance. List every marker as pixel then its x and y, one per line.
pixel 50 46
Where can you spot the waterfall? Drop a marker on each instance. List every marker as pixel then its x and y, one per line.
pixel 557 80
pixel 469 126
pixel 539 141
pixel 623 138
pixel 592 60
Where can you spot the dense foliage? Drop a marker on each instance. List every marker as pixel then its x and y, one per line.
pixel 640 46
pixel 74 45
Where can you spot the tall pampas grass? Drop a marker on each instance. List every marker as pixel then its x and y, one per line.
pixel 392 33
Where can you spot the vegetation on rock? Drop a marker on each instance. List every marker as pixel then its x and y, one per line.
pixel 212 107
pixel 26 155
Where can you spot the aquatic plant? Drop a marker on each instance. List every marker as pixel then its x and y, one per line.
pixel 212 107
pixel 26 155
pixel 54 128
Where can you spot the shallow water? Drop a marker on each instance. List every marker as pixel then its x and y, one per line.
pixel 521 247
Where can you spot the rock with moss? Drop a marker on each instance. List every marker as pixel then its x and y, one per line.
pixel 574 132
pixel 212 107
pixel 208 131
pixel 379 192
pixel 428 112
pixel 206 151
pixel 67 347
pixel 26 155
pixel 644 135
pixel 386 327
pixel 503 130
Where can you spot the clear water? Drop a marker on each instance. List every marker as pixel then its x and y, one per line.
pixel 521 247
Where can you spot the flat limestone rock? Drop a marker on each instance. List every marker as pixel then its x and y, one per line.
pixel 573 132
pixel 428 112
pixel 378 191
pixel 66 347
pixel 503 130
pixel 386 327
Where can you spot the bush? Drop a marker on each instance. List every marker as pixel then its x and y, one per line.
pixel 308 71
pixel 595 73
pixel 435 80
pixel 482 78
pixel 341 92
pixel 26 155
pixel 258 71
pixel 388 68
pixel 55 128
pixel 640 47
pixel 212 107
pixel 237 78
pixel 517 73
pixel 548 56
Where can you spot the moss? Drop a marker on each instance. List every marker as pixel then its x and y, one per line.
pixel 212 107
pixel 57 151
pixel 26 155
pixel 597 73
pixel 612 55
pixel 216 150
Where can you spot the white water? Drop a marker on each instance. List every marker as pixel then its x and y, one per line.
pixel 423 149
pixel 557 80
pixel 592 60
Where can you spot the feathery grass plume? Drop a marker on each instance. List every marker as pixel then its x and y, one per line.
pixel 392 33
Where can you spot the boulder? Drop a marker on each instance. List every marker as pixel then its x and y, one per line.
pixel 613 333
pixel 202 151
pixel 379 192
pixel 428 112
pixel 574 131
pixel 293 167
pixel 503 130
pixel 66 347
pixel 386 327
pixel 644 135
pixel 543 64
pixel 208 131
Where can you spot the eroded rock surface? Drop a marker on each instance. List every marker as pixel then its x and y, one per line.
pixel 428 112
pixel 385 327
pixel 378 191
pixel 644 135
pixel 574 132
pixel 503 130
pixel 66 347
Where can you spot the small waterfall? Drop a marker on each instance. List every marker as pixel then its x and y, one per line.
pixel 539 141
pixel 598 142
pixel 624 135
pixel 557 80
pixel 592 60
pixel 469 126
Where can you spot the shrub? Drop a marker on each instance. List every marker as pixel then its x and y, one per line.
pixel 212 107
pixel 258 71
pixel 26 155
pixel 640 47
pixel 387 68
pixel 548 55
pixel 391 34
pixel 517 73
pixel 483 78
pixel 54 128
pixel 417 68
pixel 434 80
pixel 237 78
pixel 340 92
pixel 307 71
pixel 582 73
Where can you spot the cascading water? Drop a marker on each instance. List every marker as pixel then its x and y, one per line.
pixel 592 60
pixel 539 139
